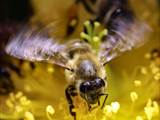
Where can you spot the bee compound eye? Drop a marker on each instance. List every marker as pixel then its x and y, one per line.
pixel 85 86
pixel 100 82
pixel 82 88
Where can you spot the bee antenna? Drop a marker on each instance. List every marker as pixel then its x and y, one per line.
pixel 106 96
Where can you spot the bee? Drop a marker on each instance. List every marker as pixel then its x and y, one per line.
pixel 83 67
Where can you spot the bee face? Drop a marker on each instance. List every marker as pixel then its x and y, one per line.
pixel 91 90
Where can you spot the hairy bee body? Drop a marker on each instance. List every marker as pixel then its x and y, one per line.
pixel 88 76
pixel 86 67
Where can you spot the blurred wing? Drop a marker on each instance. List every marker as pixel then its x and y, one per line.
pixel 31 45
pixel 125 38
pixel 125 32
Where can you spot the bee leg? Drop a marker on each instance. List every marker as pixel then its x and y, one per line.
pixel 70 93
pixel 71 107
pixel 106 96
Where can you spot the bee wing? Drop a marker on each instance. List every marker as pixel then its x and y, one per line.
pixel 124 38
pixel 125 31
pixel 31 45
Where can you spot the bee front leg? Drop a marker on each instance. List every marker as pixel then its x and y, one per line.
pixel 70 93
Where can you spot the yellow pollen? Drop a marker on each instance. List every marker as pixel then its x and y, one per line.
pixel 18 95
pixel 134 96
pixel 144 70
pixel 139 118
pixel 137 83
pixel 50 109
pixel 115 106
pixel 9 104
pixel 73 22
pixel 28 116
pixel 50 69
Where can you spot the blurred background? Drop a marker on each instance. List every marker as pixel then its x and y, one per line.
pixel 35 91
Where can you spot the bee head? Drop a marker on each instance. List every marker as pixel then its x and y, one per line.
pixel 91 90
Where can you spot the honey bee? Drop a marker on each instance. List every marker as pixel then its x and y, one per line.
pixel 84 68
